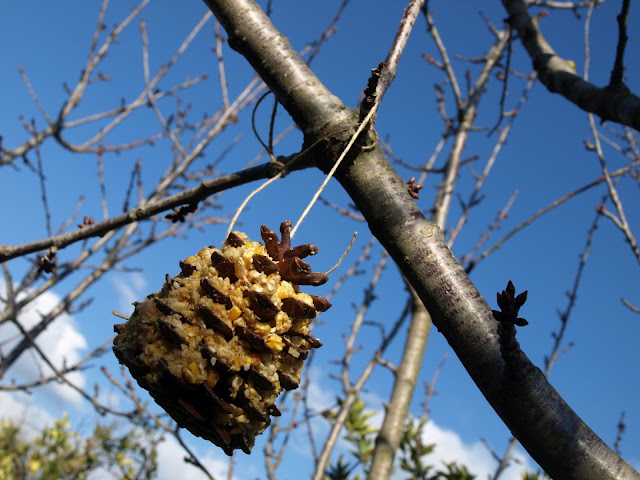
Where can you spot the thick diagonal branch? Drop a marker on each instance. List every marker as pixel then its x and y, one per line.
pixel 311 105
pixel 531 408
pixel 546 426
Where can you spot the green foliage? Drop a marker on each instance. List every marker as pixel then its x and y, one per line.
pixel 412 451
pixel 58 452
pixel 413 454
pixel 360 435
pixel 535 476
pixel 359 432
pixel 453 472
pixel 340 470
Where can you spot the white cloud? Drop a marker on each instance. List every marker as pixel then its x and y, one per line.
pixel 131 287
pixel 61 341
pixel 320 397
pixel 449 447
pixel 171 464
pixel 21 408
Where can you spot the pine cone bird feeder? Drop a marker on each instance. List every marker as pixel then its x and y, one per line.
pixel 225 336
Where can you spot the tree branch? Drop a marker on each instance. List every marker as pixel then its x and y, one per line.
pixel 546 426
pixel 393 426
pixel 190 196
pixel 617 74
pixel 614 102
pixel 530 407
pixel 252 34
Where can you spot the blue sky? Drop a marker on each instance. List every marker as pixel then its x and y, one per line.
pixel 544 158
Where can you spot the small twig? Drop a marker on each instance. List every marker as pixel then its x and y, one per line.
pixel 558 336
pixel 135 173
pixel 567 5
pixel 630 306
pixel 78 366
pixel 327 32
pixel 446 62
pixel 424 169
pixel 353 239
pixel 231 465
pixel 474 262
pixel 221 73
pixel 587 44
pixel 503 462
pixel 32 92
pixel 430 388
pixel 369 297
pixel 505 83
pixel 620 429
pixel 192 458
pixel 620 220
pixel 502 215
pixel 103 188
pixel 43 189
pixel 341 210
pixel 354 269
pixel 150 95
pixel 96 55
pixel 617 74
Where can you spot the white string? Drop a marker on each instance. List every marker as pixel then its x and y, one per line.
pixel 246 200
pixel 335 167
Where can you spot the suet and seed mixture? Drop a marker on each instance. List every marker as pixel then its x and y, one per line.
pixel 225 336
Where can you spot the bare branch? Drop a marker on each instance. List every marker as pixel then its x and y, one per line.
pixel 406 376
pixel 446 62
pixel 622 171
pixel 190 196
pixel 279 65
pixel 620 219
pixel 409 16
pixel 630 307
pixel 617 74
pixel 559 76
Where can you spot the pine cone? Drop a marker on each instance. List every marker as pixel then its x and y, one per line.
pixel 225 336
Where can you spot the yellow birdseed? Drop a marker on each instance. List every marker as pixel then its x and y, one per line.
pixel 234 313
pixel 222 323
pixel 275 342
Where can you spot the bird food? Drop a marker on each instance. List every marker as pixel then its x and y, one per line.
pixel 225 336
